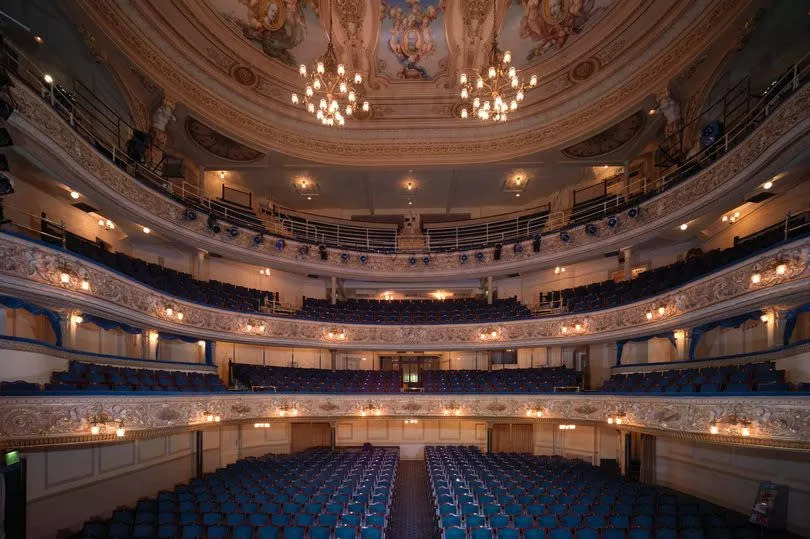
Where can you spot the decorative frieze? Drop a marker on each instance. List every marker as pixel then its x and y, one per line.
pixel 772 421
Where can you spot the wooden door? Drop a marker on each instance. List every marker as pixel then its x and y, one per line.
pixel 306 435
pixel 512 438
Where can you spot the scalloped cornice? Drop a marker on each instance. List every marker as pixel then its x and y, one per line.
pixel 48 138
pixel 650 58
pixel 33 271
pixel 776 421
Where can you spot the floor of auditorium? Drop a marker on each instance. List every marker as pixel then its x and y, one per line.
pixel 413 514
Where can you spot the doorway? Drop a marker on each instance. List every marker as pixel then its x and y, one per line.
pixel 512 438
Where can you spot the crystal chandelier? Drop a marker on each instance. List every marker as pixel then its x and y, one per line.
pixel 329 93
pixel 498 88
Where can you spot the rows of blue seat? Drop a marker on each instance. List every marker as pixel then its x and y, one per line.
pixel 317 494
pixel 730 378
pixel 178 283
pixel 427 311
pixel 294 379
pixel 536 380
pixel 82 376
pixel 514 496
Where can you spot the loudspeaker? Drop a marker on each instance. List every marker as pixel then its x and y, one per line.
pixel 565 237
pixel 258 239
pixel 173 167
pixel 323 252
pixel 213 225
pixel 634 213
pixel 6 185
pixel 137 146
pixel 303 250
pixel 233 232
pixel 590 229
pixel 497 254
pixel 536 244
pixel 612 221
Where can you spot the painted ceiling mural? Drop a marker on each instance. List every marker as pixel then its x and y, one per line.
pixel 533 29
pixel 287 30
pixel 412 44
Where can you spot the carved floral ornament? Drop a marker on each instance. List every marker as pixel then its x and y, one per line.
pixel 59 279
pixel 771 421
pixel 777 132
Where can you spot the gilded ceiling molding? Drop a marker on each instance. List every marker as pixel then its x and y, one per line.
pixel 48 136
pixel 782 421
pixel 35 271
pixel 386 145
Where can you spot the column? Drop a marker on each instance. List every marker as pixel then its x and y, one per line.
pixel 489 437
pixel 628 263
pixel 198 457
pixel 334 290
pixel 489 290
pixel 683 340
pixel 68 325
pixel 779 321
pixel 151 344
pixel 198 266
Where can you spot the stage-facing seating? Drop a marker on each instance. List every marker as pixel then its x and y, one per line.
pixel 753 377
pixel 509 495
pixel 293 379
pixel 539 380
pixel 448 311
pixel 316 494
pixel 611 293
pixel 94 377
pixel 177 283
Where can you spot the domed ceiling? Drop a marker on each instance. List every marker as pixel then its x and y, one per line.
pixel 234 63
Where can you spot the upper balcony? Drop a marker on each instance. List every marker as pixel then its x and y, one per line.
pixel 61 133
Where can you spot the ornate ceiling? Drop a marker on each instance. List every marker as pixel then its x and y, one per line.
pixel 234 64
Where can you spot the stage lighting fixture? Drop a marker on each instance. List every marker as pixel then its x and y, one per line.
pixel 590 229
pixel 233 232
pixel 497 253
pixel 3 163
pixel 190 215
pixel 258 239
pixel 213 225
pixel 6 185
pixel 323 252
pixel 137 146
pixel 536 244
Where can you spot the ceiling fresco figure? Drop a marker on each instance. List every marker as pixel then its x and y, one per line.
pixel 278 26
pixel 407 37
pixel 550 23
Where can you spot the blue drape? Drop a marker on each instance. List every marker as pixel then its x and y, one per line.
pixel 733 322
pixel 103 323
pixel 620 344
pixel 53 317
pixel 175 337
pixel 791 318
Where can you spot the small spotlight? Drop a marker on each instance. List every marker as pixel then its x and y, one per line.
pixel 745 431
pixel 119 432
pixel 75 195
pixel 767 185
pixel 781 269
pixel 64 278
pixel 39 39
pixel 179 316
pixel 85 284
pixel 147 230
pixel 756 278
pixel 652 112
pixel 661 311
pixel 95 429
pixel 684 226
pixel 48 79
pixel 649 316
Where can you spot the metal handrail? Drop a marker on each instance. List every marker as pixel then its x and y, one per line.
pixel 354 237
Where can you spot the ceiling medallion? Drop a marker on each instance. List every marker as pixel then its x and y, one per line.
pixel 329 93
pixel 498 88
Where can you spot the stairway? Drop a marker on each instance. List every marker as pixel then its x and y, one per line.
pixel 412 516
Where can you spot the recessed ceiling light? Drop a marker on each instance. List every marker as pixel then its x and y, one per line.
pixel 309 198
pixel 39 39
pixel 767 185
pixel 517 195
pixel 74 195
pixel 651 112
pixel 146 230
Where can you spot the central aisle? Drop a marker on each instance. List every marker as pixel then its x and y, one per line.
pixel 412 515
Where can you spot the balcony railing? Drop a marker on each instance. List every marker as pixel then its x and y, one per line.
pixel 110 135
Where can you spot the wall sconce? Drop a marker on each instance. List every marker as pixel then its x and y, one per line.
pixel 678 334
pixel 763 318
pixel 120 432
pixel 106 224
pixel 616 419
pixel 567 427
pixel 756 278
pixel 261 425
pixel 76 318
pixel 661 310
pixel 564 329
pixel 98 423
pixel 713 428
pixel 452 409
pixel 85 285
pixel 64 278
pixel 336 335
pixel 736 425
pixel 559 269
pixel 210 417
pixel 370 409
pixel 534 411
pixel 201 344
pixel 287 410
pixel 488 334
pixel 411 421
pixel 153 336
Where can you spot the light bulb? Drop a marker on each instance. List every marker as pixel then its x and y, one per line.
pixel 519 96
pixel 249 327
pixel 564 329
pixel 756 278
pixel 745 431
pixel 476 103
pixel 464 113
pixel 352 97
pixel 533 80
pixel 294 99
pixel 358 78
pixel 618 420
pixel 322 104
pixel 147 230
pixel 341 70
pixel 95 429
pixel 302 70
pixel 85 284
pixel 513 105
pixel 48 79
pixel 724 219
pixel 464 93
pixel 119 432
pixel 179 316
pixel 74 195
pixel 491 72
pixel 365 106
pixel 767 185
pixel 514 83
pixel 507 57
pixel 479 84
pixel 713 429
pixel 684 226
pixel 348 110
pixel 661 311
pixel 512 72
pixel 649 316
pixel 319 68
pixel 343 87
pixel 308 91
pixel 316 84
pixel 462 79
pixel 610 420
pixel 577 327
pixel 169 311
pixel 781 269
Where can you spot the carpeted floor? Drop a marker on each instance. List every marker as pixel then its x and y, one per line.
pixel 412 516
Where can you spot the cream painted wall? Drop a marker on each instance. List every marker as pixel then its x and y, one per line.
pixel 590 443
pixel 21 323
pixel 29 366
pixel 650 351
pixel 750 337
pixel 730 476
pixel 68 486
pixel 411 438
